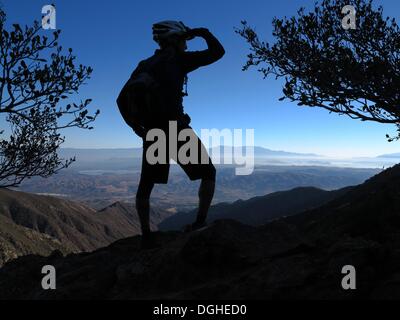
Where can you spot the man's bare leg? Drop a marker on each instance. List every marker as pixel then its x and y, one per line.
pixel 143 205
pixel 206 194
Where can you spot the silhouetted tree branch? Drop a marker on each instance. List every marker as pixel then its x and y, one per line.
pixel 350 72
pixel 35 76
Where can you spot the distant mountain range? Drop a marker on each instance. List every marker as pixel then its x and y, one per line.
pixel 297 257
pixel 100 154
pixel 390 155
pixel 107 154
pixel 262 152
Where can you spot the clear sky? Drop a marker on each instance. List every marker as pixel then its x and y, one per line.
pixel 113 36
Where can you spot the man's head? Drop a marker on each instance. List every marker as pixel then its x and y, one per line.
pixel 171 34
pixel 178 43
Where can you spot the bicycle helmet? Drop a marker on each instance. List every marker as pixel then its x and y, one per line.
pixel 164 30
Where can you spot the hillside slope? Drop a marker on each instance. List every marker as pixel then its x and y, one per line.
pixel 260 210
pixel 17 241
pixel 299 257
pixel 77 227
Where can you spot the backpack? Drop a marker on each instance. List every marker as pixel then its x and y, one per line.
pixel 140 98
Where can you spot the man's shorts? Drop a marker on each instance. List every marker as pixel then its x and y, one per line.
pixel 197 165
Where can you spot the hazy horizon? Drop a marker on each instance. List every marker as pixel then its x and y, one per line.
pixel 257 146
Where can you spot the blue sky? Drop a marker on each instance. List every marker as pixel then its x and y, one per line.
pixel 113 36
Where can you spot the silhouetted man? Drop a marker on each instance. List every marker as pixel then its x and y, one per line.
pixel 170 65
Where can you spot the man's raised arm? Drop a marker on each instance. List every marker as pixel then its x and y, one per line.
pixel 196 59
